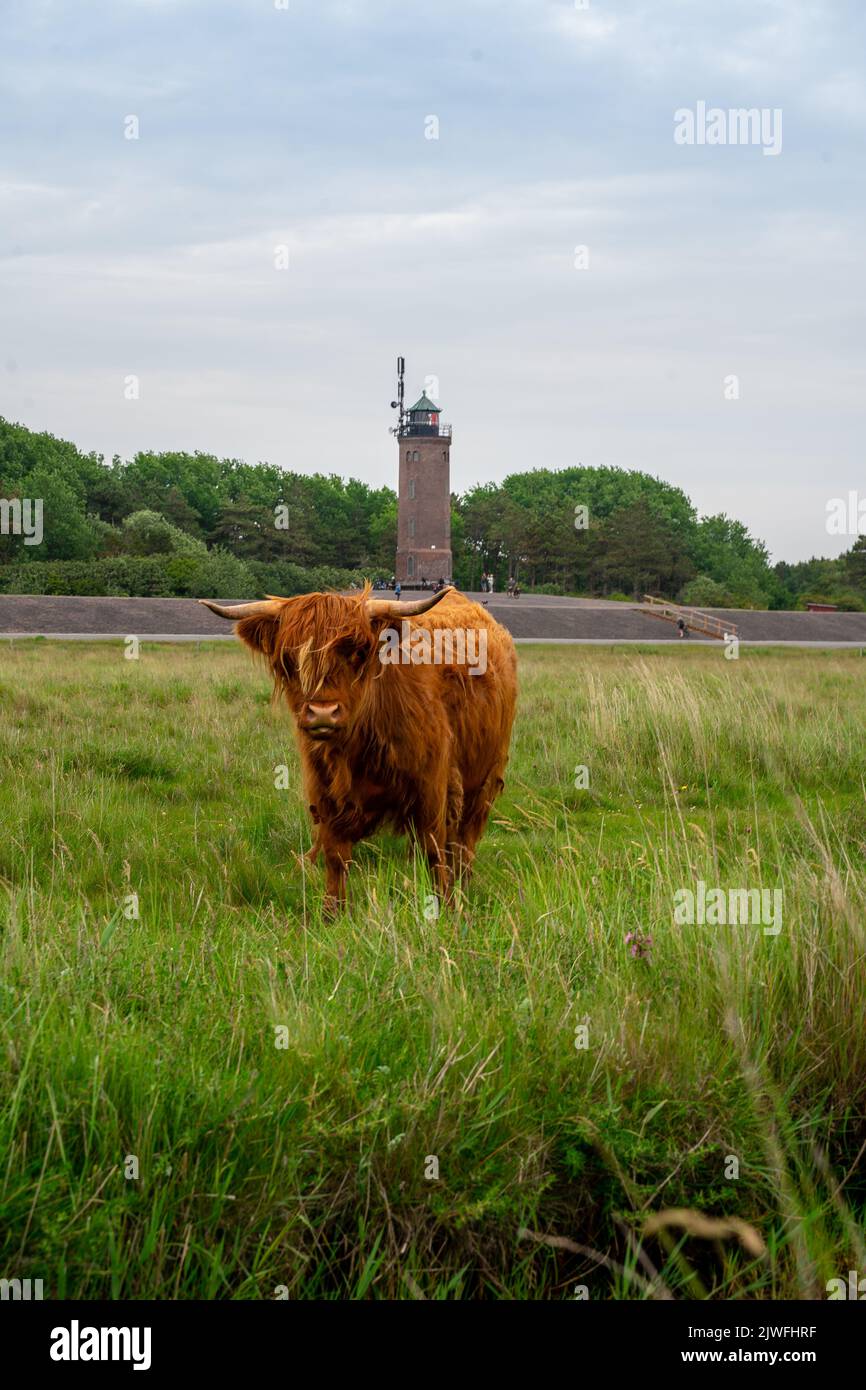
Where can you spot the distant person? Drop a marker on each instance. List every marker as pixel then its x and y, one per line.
pixel 484 582
pixel 490 583
pixel 393 581
pixel 681 625
pixel 398 589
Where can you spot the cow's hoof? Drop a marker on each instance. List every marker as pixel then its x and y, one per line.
pixel 331 908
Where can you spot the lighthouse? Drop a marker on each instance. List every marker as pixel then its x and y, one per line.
pixel 424 490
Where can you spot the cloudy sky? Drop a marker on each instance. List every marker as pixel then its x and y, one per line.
pixel 306 124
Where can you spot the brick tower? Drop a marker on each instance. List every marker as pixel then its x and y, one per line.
pixel 424 493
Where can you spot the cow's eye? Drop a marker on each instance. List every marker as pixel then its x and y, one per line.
pixel 351 651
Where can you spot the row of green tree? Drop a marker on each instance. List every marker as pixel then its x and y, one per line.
pixel 177 523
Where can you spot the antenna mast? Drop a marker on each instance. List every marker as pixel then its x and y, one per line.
pixel 398 405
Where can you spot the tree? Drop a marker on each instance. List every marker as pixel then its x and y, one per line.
pixel 854 565
pixel 248 530
pixel 638 552
pixel 642 532
pixel 67 534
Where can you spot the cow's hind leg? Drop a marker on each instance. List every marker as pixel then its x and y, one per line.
pixel 454 812
pixel 434 842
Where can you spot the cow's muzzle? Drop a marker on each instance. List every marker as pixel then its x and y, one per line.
pixel 321 720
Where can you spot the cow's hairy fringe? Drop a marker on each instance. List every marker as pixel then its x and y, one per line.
pixel 305 620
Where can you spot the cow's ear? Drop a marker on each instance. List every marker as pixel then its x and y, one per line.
pixel 259 634
pixel 256 624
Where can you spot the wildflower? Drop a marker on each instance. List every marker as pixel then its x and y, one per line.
pixel 639 946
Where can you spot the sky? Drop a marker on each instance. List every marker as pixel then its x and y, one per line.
pixel 319 185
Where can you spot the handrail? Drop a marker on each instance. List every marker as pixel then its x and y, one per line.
pixel 409 431
pixel 693 617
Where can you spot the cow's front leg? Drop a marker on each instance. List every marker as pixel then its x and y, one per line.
pixel 338 856
pixel 313 852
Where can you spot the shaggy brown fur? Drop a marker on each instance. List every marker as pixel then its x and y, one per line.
pixel 421 748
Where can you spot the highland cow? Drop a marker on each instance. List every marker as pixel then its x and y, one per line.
pixel 418 743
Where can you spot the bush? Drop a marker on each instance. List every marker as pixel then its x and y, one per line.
pixel 201 574
pixel 555 589
pixel 846 600
pixel 122 574
pixel 216 574
pixel 286 579
pixel 149 533
pixel 704 592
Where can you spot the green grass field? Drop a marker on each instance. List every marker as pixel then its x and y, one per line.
pixel 285 1087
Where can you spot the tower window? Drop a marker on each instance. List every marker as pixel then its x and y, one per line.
pixel 408 455
pixel 412 526
pixel 412 488
pixel 417 457
pixel 410 566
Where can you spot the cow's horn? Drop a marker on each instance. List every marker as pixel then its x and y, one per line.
pixel 263 608
pixel 392 608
